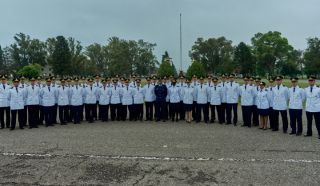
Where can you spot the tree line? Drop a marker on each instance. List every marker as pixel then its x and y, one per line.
pixel 268 54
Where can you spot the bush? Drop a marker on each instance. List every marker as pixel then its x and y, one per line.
pixel 32 70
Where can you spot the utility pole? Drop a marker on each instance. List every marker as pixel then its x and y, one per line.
pixel 180 45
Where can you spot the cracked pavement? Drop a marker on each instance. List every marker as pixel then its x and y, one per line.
pixel 134 153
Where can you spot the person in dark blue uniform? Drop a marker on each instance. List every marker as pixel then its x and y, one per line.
pixel 161 91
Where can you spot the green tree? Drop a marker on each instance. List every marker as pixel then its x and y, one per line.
pixel 244 59
pixel 60 59
pixel 78 59
pixel 97 59
pixel 26 51
pixel 166 69
pixel 29 71
pixel 312 57
pixel 215 54
pixel 272 52
pixel 196 68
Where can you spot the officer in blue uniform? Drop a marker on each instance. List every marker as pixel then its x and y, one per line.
pixel 161 92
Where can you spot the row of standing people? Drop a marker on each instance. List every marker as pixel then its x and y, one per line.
pixel 183 100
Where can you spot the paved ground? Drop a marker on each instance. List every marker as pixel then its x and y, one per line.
pixel 156 154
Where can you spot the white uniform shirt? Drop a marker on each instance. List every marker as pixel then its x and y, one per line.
pixel 48 96
pixel 32 94
pixel 76 95
pixel 312 99
pixel 127 95
pixel 215 92
pixel 63 93
pixel 16 98
pixel 280 97
pixel 296 97
pixel 104 93
pixel 115 95
pixel 187 94
pixel 247 94
pixel 174 94
pixel 91 94
pixel 149 93
pixel 263 99
pixel 201 94
pixel 4 94
pixel 138 95
pixel 224 92
pixel 232 92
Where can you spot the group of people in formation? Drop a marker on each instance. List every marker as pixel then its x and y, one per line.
pixel 211 99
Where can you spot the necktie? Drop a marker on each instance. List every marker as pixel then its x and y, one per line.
pixel 278 87
pixel 231 84
pixel 17 89
pixel 294 89
pixel 104 87
pixel 311 89
pixel 148 85
pixel 127 88
pixel 215 88
pixel 62 87
pixel 77 87
pixel 91 88
pixel 245 87
pixel 271 88
pixel 4 87
pixel 138 89
pixel 201 86
pixel 32 87
pixel 223 84
pixel 49 88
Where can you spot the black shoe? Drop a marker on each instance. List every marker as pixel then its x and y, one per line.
pixel 291 133
pixel 163 120
pixel 244 126
pixel 275 129
pixel 30 127
pixel 284 131
pixel 11 128
pixel 298 134
pixel 307 135
pixel 21 128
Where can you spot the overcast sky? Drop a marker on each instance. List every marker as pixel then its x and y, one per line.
pixel 157 21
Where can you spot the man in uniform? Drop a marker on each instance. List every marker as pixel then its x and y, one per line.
pixel 270 96
pixel 104 100
pixel 223 85
pixel 4 103
pixel 296 99
pixel 16 99
pixel 161 92
pixel 33 102
pixel 149 99
pixel 55 107
pixel 127 101
pixel 194 83
pixel 312 106
pixel 215 94
pixel 174 92
pixel 48 100
pixel 138 100
pixel 90 93
pixel 115 101
pixel 280 100
pixel 232 92
pixel 201 92
pixel 247 94
pixel 76 101
pixel 63 93
pixel 182 85
pixel 255 114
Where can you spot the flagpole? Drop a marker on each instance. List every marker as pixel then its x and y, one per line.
pixel 180 44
